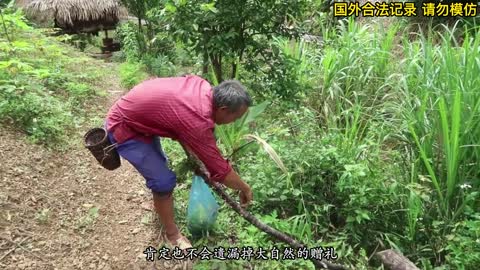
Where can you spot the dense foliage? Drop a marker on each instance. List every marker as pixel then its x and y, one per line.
pixel 382 153
pixel 41 92
pixel 364 141
pixel 376 126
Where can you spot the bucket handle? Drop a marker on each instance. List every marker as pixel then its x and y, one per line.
pixel 108 149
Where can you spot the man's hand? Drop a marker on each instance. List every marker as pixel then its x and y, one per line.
pixel 234 181
pixel 246 197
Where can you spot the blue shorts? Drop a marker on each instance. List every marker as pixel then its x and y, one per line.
pixel 150 161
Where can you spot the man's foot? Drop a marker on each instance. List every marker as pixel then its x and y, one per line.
pixel 179 241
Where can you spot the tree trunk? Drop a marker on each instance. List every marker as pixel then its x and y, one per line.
pixel 239 60
pixel 139 24
pixel 217 66
pixel 234 70
pixel 205 62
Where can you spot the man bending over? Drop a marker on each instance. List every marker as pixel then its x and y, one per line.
pixel 184 109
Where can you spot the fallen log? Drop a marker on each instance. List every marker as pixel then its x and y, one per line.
pixel 201 171
pixel 394 260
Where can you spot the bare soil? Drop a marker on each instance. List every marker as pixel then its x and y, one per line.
pixel 48 201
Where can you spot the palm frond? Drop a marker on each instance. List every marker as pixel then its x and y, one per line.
pixel 270 151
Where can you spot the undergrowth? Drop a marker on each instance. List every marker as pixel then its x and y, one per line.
pixel 45 85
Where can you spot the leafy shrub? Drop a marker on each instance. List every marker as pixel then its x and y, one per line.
pixel 160 66
pixel 153 52
pixel 118 57
pixel 183 56
pixel 131 74
pixel 331 183
pixel 79 89
pixel 464 244
pixel 283 71
pixel 132 42
pixel 42 116
pixel 40 88
pixel 162 45
pixel 14 21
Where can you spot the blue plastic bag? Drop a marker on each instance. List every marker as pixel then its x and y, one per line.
pixel 202 209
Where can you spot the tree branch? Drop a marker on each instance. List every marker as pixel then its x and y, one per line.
pixel 217 187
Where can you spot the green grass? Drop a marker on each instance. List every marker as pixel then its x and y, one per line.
pixel 132 73
pixel 427 102
pixel 444 118
pixel 383 96
pixel 380 149
pixel 45 85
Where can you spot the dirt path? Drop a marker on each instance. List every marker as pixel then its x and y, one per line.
pixel 48 202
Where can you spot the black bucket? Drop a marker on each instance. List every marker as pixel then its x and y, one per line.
pixel 96 140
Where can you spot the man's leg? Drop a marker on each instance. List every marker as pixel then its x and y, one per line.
pixel 164 206
pixel 152 163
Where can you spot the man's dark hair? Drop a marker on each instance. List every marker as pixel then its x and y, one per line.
pixel 231 94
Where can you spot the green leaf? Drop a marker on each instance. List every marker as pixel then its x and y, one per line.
pixel 93 212
pixel 20 44
pixel 209 7
pixel 255 111
pixel 170 8
pixel 358 219
pixel 365 216
pixel 270 151
pixel 146 219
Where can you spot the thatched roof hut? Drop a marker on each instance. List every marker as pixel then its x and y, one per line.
pixel 75 16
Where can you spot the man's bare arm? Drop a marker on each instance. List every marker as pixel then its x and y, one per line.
pixel 232 180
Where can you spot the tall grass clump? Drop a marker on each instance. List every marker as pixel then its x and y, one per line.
pixel 441 109
pixel 419 104
pixel 357 77
pixel 341 187
pixel 444 85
